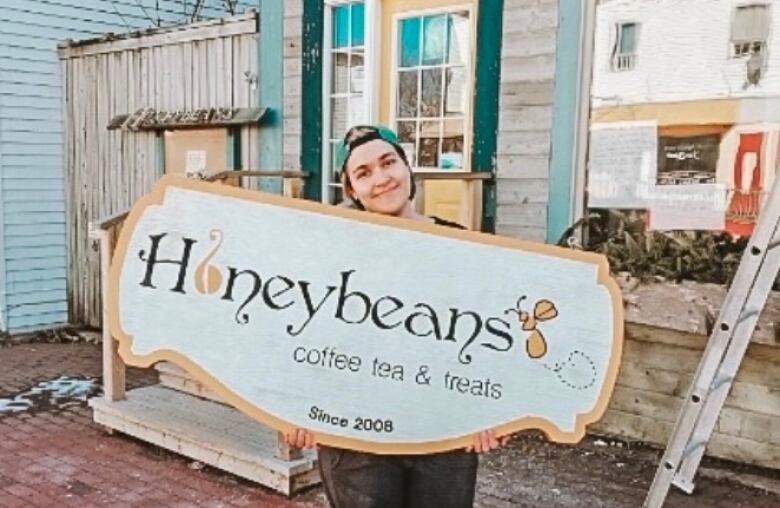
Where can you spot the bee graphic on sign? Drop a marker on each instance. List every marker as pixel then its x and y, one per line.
pixel 544 310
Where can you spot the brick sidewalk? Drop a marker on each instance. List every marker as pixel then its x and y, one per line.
pixel 62 458
pixel 58 457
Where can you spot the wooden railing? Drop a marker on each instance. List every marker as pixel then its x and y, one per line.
pixel 114 376
pixel 624 62
pixel 292 181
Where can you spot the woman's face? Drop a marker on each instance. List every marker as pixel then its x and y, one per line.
pixel 379 178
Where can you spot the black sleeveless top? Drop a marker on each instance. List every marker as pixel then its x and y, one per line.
pixel 442 222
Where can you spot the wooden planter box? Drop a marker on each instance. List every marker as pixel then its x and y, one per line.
pixel 667 327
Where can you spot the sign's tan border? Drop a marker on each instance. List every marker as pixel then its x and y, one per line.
pixel 157 196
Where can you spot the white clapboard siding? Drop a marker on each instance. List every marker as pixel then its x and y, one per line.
pixel 683 53
pixel 31 140
pixel 525 117
pixel 107 171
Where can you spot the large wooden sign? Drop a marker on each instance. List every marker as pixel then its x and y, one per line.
pixel 376 333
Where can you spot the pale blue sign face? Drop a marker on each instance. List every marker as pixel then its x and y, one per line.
pixel 375 333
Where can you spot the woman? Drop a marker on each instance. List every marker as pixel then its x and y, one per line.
pixel 377 177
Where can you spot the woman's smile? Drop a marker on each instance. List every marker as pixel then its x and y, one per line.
pixel 389 188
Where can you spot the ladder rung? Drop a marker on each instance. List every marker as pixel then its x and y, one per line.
pixel 720 381
pixel 748 314
pixel 683 484
pixel 693 446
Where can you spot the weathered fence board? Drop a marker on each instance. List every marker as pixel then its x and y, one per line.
pixel 198 66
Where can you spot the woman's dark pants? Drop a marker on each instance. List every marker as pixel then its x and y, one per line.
pixel 363 480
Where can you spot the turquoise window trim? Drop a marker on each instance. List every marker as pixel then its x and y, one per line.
pixel 311 96
pixel 270 90
pixel 233 149
pixel 565 109
pixel 159 152
pixel 486 99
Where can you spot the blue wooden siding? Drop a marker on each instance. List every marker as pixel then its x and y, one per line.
pixel 33 256
pixel 270 92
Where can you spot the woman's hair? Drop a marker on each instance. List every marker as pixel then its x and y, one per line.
pixel 360 135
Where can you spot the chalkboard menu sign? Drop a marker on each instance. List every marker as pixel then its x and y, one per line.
pixel 687 160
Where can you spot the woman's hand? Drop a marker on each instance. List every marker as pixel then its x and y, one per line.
pixel 300 438
pixel 486 441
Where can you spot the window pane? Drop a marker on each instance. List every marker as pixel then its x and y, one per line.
pixel 358 24
pixel 341 26
pixel 407 134
pixel 357 111
pixel 409 41
pixel 407 131
pixel 338 117
pixel 407 94
pixel 627 38
pixel 458 42
pixel 455 92
pixel 751 23
pixel 434 39
pixel 340 72
pixel 430 102
pixel 452 144
pixel 428 146
pixel 334 171
pixel 356 73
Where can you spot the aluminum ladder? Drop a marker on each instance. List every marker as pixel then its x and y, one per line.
pixel 722 357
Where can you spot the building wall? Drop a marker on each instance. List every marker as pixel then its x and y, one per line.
pixel 525 117
pixel 33 241
pixel 678 61
pixel 3 317
pixel 292 58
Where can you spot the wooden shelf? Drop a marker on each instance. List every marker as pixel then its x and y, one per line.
pixel 208 432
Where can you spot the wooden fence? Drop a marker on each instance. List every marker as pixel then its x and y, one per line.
pixel 205 65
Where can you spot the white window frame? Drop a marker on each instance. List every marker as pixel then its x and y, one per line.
pixel 469 114
pixel 622 62
pixel 733 52
pixel 371 57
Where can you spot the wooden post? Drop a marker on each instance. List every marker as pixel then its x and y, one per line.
pixel 113 366
pixel 471 204
pixel 292 187
pixel 419 198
